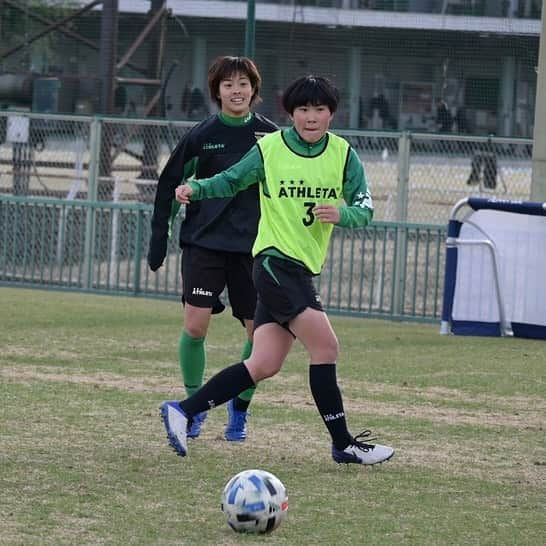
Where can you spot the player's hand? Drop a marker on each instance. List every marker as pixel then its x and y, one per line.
pixel 327 214
pixel 157 252
pixel 183 194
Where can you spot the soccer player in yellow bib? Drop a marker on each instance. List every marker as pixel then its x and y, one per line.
pixel 310 180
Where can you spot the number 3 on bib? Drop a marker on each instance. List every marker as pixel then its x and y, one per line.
pixel 309 216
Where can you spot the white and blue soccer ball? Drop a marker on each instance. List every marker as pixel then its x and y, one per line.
pixel 254 501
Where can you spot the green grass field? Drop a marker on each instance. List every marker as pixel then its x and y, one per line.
pixel 84 459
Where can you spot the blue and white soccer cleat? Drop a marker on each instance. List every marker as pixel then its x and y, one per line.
pixel 176 424
pixel 359 452
pixel 195 427
pixel 235 430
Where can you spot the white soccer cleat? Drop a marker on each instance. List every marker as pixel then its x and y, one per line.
pixel 359 452
pixel 176 424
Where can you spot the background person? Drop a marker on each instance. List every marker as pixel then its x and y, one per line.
pixel 304 173
pixel 216 236
pixel 185 103
pixel 198 107
pixel 379 106
pixel 444 119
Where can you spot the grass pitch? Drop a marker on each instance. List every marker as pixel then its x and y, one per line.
pixel 84 458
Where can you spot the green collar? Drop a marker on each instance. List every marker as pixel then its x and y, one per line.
pixel 235 121
pixel 300 146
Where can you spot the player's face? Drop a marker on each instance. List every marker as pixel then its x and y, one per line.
pixel 235 94
pixel 311 122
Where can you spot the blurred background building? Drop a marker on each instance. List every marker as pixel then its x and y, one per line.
pixel 463 66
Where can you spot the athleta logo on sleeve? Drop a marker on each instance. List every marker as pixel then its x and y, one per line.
pixel 364 200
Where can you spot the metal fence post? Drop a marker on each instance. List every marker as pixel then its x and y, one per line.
pixel 138 250
pixel 402 188
pixel 92 189
pixel 401 216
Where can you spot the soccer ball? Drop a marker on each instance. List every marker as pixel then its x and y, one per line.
pixel 254 501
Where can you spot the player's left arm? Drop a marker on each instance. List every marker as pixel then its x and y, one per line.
pixel 247 171
pixel 358 208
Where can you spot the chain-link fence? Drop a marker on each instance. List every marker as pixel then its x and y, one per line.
pixel 76 197
pixel 386 270
pixel 413 177
pixel 71 157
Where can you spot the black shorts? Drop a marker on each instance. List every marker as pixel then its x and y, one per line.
pixel 205 274
pixel 285 289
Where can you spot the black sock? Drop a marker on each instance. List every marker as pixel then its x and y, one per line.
pixel 323 383
pixel 240 405
pixel 220 388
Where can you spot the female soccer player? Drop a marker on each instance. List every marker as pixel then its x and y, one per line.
pixel 216 235
pixel 304 173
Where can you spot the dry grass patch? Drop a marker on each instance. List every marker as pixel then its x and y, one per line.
pixel 497 458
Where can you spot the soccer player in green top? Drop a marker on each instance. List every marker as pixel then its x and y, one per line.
pixel 305 174
pixel 217 235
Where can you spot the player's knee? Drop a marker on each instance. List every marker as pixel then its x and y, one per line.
pixel 260 370
pixel 195 330
pixel 327 352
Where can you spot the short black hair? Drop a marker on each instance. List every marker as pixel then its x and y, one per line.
pixel 313 90
pixel 224 67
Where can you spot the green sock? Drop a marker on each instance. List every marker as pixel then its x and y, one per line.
pixel 247 350
pixel 243 399
pixel 191 354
